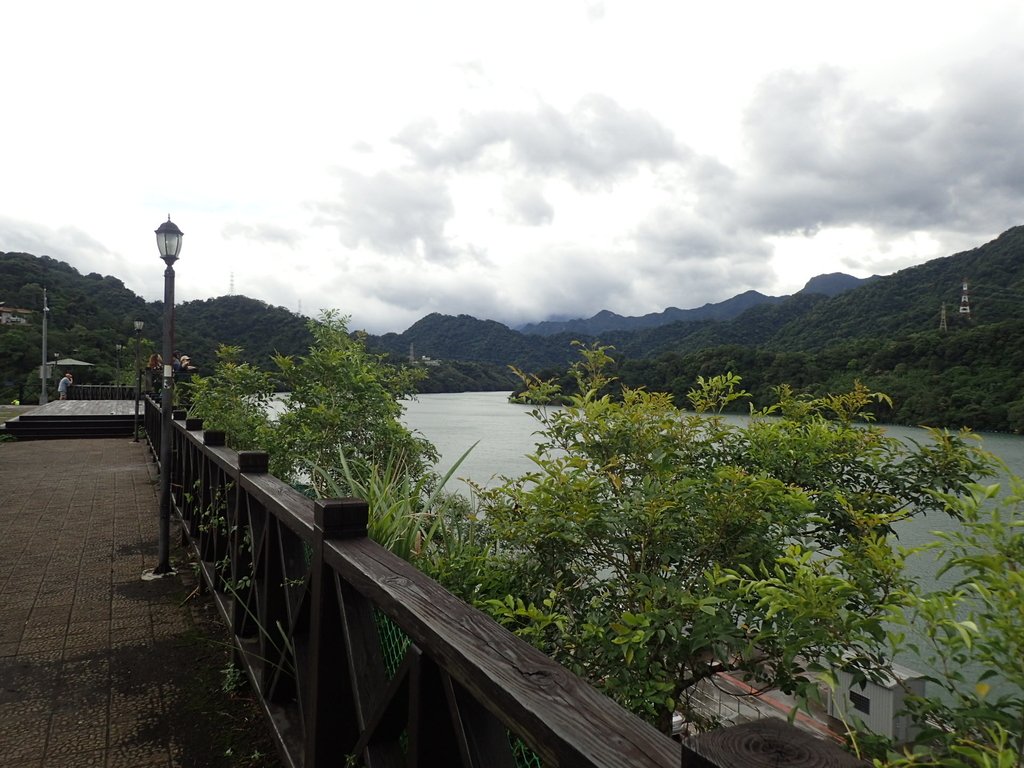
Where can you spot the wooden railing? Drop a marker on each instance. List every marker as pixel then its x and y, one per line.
pixel 101 392
pixel 352 651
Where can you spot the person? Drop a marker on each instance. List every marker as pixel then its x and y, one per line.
pixel 155 366
pixel 65 385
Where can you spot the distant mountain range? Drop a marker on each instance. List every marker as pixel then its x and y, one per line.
pixel 604 321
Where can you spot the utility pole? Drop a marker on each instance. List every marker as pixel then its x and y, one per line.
pixel 43 378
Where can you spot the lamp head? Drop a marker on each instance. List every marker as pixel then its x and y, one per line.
pixel 138 326
pixel 168 240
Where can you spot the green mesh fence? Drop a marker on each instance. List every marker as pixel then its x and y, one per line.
pixel 394 644
pixel 523 755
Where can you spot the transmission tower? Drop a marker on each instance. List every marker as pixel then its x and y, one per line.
pixel 231 285
pixel 942 320
pixel 965 302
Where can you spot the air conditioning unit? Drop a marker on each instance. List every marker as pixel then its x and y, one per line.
pixel 878 706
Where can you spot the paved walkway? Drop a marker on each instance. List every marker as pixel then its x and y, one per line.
pixel 97 667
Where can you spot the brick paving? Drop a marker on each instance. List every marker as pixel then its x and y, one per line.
pixel 91 656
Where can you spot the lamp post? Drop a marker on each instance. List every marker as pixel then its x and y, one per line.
pixel 138 378
pixel 118 348
pixel 168 240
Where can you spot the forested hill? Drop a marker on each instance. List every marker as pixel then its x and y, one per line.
pixel 91 314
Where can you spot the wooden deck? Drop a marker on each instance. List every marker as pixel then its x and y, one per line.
pixel 75 408
pixel 74 418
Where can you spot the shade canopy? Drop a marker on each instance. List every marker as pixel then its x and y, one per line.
pixel 69 361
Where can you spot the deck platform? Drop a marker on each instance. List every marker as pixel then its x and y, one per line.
pixel 62 419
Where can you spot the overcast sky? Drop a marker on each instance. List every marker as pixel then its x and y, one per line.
pixel 511 161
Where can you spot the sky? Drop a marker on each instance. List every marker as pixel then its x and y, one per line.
pixel 510 161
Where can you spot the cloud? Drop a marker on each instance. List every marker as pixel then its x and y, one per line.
pixel 825 154
pixel 400 214
pixel 527 204
pixel 689 259
pixel 262 233
pixel 597 140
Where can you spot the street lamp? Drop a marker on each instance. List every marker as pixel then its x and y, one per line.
pixel 138 378
pixel 118 348
pixel 168 240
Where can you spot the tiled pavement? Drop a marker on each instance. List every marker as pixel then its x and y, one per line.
pixel 91 657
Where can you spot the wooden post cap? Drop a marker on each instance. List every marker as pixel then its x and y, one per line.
pixel 341 518
pixel 214 437
pixel 764 743
pixel 256 462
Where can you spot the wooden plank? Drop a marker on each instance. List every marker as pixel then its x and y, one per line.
pixel 71 408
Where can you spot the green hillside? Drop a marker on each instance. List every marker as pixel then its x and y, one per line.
pixel 91 314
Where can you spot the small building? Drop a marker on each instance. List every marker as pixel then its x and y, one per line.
pixel 878 706
pixel 14 315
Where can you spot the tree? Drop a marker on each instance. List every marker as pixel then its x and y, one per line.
pixel 341 397
pixel 234 398
pixel 973 636
pixel 655 548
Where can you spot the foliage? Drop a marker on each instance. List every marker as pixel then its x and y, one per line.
pixel 654 548
pixel 406 511
pixel 235 398
pixel 973 635
pixel 343 398
pixel 465 376
pixel 338 433
pixel 968 376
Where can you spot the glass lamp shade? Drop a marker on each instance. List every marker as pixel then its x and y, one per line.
pixel 138 325
pixel 168 240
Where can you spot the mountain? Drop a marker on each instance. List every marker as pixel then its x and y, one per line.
pixel 466 338
pixel 90 315
pixel 549 344
pixel 912 300
pixel 261 330
pixel 834 283
pixel 605 321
